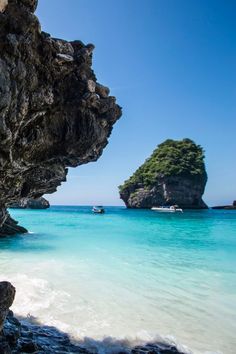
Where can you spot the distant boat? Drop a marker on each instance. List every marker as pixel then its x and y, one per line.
pixel 168 209
pixel 98 209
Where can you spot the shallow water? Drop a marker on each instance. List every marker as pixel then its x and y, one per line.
pixel 128 273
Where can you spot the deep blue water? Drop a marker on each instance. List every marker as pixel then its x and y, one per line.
pixel 128 273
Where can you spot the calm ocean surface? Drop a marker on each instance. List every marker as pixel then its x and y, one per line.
pixel 134 274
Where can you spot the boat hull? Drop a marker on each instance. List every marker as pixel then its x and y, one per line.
pixel 167 210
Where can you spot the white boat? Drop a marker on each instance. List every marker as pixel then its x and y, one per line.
pixel 98 210
pixel 169 209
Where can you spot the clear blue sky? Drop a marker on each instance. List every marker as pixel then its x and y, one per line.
pixel 172 66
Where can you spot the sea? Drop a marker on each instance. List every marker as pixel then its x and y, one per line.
pixel 127 277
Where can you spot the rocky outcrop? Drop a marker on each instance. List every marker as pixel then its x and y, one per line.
pixel 9 226
pixel 184 192
pixel 30 203
pixel 226 207
pixel 7 295
pixel 174 174
pixel 21 336
pixel 53 112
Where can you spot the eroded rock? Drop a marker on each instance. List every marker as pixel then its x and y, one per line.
pixel 174 174
pixel 9 226
pixel 7 295
pixel 53 113
pixel 30 203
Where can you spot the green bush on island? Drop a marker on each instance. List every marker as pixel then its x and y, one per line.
pixel 171 158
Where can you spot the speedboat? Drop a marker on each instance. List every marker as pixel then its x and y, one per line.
pixel 98 210
pixel 168 209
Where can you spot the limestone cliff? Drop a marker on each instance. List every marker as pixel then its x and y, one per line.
pixel 53 112
pixel 174 174
pixel 30 203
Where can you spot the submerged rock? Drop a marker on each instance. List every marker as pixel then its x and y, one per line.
pixel 53 113
pixel 30 203
pixel 174 174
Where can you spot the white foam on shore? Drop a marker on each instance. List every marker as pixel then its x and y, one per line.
pixel 40 299
pixel 111 345
pixel 35 301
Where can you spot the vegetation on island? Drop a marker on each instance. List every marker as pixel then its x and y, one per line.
pixel 171 158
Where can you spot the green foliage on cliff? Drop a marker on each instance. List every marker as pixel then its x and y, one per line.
pixel 171 158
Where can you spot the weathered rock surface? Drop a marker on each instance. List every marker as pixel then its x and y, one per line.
pixel 53 112
pixel 184 192
pixel 7 295
pixel 9 226
pixel 30 203
pixel 174 174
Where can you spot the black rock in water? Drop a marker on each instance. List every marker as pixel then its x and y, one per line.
pixel 226 207
pixel 174 174
pixel 30 203
pixel 9 226
pixel 53 112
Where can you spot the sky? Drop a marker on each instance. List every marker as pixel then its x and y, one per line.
pixel 172 66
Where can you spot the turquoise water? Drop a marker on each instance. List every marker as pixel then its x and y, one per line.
pixel 128 274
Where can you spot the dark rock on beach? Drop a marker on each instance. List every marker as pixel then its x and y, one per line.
pixel 7 295
pixel 9 226
pixel 24 337
pixel 156 348
pixel 53 112
pixel 21 336
pixel 30 203
pixel 174 174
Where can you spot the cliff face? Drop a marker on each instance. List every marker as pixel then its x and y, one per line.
pixel 53 112
pixel 174 174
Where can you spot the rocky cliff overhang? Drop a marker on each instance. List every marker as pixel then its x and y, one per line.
pixel 53 112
